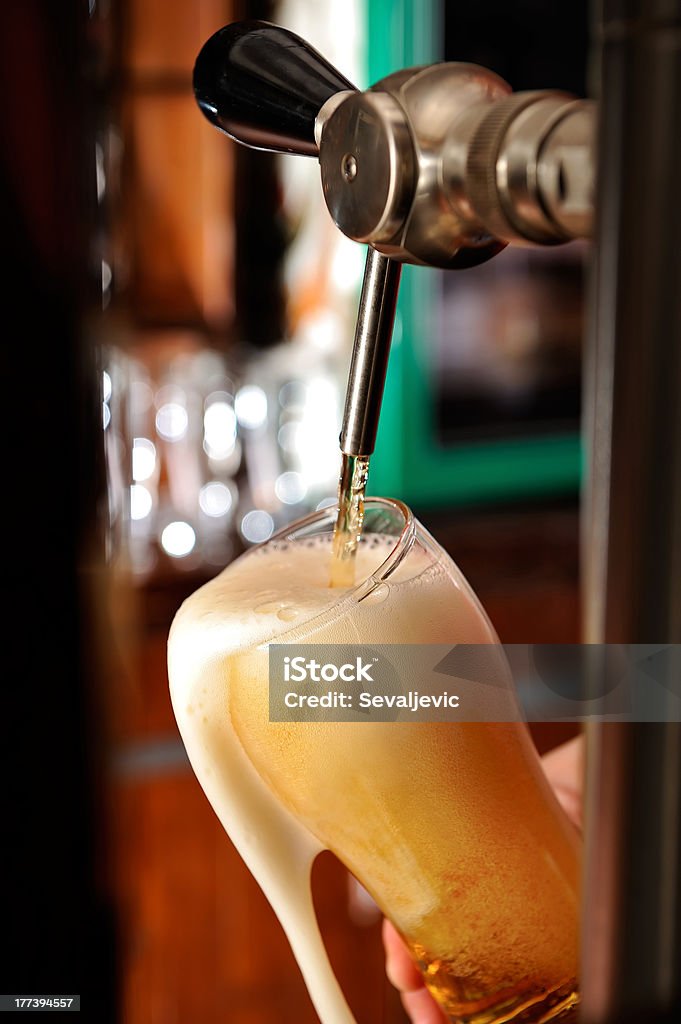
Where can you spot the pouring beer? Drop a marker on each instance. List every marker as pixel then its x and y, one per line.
pixel 450 826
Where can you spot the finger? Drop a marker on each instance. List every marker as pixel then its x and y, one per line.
pixel 421 1008
pixel 399 966
pixel 564 768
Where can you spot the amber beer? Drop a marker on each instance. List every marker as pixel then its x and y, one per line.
pixel 451 827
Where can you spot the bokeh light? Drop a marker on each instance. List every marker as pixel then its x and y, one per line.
pixel 257 526
pixel 141 501
pixel 290 488
pixel 143 458
pixel 251 406
pixel 178 539
pixel 216 499
pixel 172 421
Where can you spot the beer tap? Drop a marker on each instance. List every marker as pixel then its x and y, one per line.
pixel 441 165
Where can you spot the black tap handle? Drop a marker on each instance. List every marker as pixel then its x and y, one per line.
pixel 264 86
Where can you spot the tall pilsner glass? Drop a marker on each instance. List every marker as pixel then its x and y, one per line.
pixel 450 826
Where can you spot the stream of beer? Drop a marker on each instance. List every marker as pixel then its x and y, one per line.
pixel 348 529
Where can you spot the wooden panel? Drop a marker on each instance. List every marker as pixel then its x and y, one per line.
pixel 177 170
pixel 196 934
pixel 198 941
pixel 178 212
pixel 163 37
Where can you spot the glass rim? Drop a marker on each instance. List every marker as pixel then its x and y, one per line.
pixel 403 541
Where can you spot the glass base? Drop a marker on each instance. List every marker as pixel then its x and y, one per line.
pixel 466 1003
pixel 559 1005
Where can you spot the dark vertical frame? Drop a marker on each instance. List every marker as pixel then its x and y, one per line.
pixel 632 511
pixel 57 923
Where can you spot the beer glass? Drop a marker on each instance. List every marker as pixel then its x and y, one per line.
pixel 450 826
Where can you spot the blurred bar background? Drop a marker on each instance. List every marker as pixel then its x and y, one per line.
pixel 179 317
